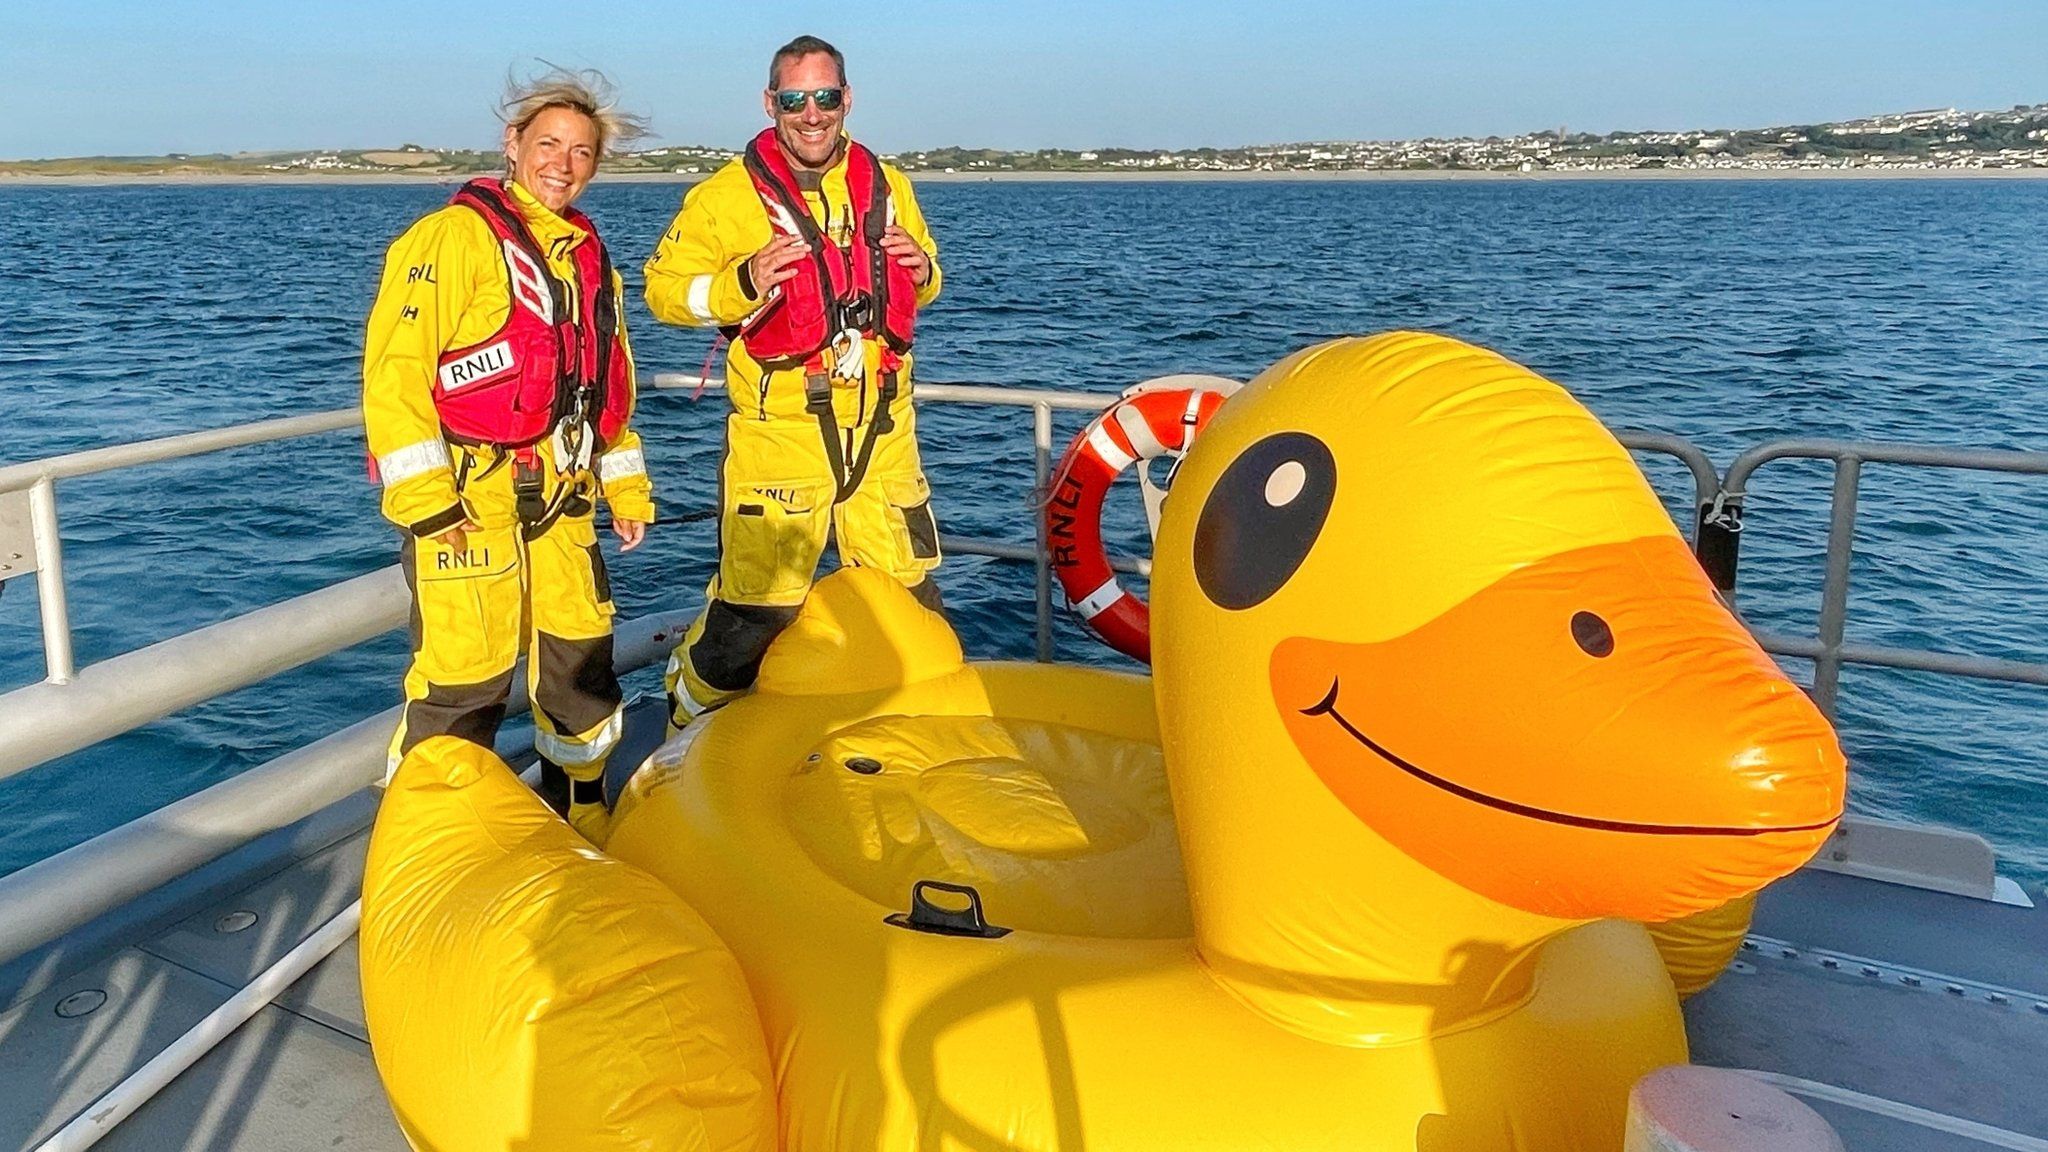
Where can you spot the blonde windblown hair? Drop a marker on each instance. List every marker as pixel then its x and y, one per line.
pixel 586 90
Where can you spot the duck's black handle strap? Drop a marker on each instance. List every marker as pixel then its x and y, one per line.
pixel 927 916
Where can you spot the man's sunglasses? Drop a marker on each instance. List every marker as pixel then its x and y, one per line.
pixel 827 99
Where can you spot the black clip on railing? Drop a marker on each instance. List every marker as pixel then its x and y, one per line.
pixel 926 916
pixel 1717 539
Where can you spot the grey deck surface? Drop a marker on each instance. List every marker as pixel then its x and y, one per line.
pixel 299 1075
pixel 1958 1054
pixel 1974 939
pixel 296 1078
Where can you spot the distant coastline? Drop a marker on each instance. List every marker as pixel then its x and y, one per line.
pixel 1941 142
pixel 1369 176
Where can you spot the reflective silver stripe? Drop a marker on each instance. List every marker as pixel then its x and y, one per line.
pixel 673 676
pixel 576 752
pixel 1097 602
pixel 402 464
pixel 1138 432
pixel 619 465
pixel 1115 457
pixel 672 752
pixel 699 300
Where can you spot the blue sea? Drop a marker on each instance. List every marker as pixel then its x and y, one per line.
pixel 1727 312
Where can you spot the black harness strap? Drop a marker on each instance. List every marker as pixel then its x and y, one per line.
pixel 874 227
pixel 606 325
pixel 818 400
pixel 881 423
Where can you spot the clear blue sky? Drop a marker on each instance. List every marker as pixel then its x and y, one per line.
pixel 152 76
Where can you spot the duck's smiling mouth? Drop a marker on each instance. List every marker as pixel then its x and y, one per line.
pixel 1327 706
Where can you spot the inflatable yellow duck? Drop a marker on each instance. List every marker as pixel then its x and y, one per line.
pixel 1440 704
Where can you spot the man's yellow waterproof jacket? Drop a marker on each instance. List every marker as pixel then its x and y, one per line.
pixel 694 277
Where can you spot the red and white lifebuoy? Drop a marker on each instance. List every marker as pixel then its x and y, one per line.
pixel 1151 420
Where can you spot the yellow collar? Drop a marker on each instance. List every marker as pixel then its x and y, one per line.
pixel 554 234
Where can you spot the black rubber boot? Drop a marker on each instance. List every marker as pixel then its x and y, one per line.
pixel 554 787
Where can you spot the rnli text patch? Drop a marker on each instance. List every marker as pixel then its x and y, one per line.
pixel 486 363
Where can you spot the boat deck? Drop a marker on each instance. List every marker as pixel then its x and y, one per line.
pixel 1916 998
pixel 297 1076
pixel 1911 1020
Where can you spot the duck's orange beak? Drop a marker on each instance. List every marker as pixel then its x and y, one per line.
pixel 1593 735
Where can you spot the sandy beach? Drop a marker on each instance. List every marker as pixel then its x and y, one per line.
pixel 16 179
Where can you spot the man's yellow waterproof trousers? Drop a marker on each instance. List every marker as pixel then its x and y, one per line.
pixel 779 500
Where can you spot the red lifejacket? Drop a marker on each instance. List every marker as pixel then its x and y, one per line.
pixel 548 364
pixel 857 287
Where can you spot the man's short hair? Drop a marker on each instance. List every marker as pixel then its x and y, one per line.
pixel 797 49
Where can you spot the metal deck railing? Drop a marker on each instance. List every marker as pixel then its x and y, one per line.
pixel 74 708
pixel 1828 649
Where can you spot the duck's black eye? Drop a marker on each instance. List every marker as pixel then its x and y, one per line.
pixel 1262 518
pixel 1592 634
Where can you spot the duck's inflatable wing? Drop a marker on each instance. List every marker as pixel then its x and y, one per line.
pixel 525 992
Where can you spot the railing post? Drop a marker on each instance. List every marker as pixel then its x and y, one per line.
pixel 50 602
pixel 1041 470
pixel 1717 541
pixel 1834 592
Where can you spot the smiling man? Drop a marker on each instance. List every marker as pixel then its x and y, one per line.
pixel 812 257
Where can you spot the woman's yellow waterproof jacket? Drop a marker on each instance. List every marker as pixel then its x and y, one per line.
pixel 445 286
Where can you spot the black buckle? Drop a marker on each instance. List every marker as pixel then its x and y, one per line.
pixel 526 489
pixel 884 419
pixel 818 392
pixel 857 312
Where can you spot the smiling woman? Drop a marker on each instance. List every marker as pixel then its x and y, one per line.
pixel 497 389
pixel 558 125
